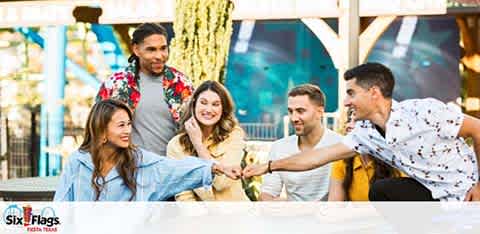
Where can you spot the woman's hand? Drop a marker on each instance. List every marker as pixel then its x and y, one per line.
pixel 233 173
pixel 194 131
pixel 196 137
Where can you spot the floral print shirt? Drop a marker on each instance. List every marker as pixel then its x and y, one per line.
pixel 124 86
pixel 421 139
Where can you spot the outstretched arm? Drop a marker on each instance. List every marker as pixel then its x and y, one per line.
pixel 303 161
pixel 232 172
pixel 470 128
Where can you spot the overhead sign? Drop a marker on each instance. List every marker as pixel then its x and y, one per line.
pixel 402 7
pixel 36 13
pixel 136 11
pixel 58 12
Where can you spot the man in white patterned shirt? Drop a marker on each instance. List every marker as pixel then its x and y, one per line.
pixel 305 109
pixel 424 138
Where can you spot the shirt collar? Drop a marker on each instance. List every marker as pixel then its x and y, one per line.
pixel 395 106
pixel 162 74
pixel 357 163
pixel 396 125
pixel 214 149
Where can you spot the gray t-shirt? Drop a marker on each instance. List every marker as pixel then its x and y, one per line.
pixel 154 125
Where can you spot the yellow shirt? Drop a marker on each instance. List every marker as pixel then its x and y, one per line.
pixel 361 177
pixel 229 153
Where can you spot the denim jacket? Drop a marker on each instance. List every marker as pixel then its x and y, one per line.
pixel 158 178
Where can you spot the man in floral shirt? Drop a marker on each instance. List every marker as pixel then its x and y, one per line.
pixel 155 91
pixel 424 138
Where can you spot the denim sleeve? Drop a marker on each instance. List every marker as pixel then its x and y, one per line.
pixel 175 176
pixel 64 191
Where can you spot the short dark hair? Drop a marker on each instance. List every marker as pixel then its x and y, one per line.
pixel 313 92
pixel 147 29
pixel 370 74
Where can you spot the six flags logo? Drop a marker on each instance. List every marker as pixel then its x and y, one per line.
pixel 44 220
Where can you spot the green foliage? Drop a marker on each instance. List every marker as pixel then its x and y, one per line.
pixel 251 186
pixel 202 38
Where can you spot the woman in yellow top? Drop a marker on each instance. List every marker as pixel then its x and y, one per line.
pixel 351 178
pixel 209 130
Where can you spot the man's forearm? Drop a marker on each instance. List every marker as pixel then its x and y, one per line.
pixel 312 159
pixel 470 128
pixel 476 147
pixel 268 197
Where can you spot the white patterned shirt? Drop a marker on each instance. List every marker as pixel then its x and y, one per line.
pixel 421 139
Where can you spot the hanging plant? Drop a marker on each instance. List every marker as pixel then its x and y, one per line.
pixel 202 38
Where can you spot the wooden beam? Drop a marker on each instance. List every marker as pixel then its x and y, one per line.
pixel 466 36
pixel 349 31
pixel 372 33
pixel 327 37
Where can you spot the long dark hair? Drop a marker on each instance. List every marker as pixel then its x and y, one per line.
pixel 126 160
pixel 222 128
pixel 141 32
pixel 381 171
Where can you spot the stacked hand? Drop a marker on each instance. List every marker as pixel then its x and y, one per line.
pixel 233 173
pixel 236 172
pixel 255 170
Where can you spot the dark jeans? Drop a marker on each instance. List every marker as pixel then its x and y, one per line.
pixel 399 189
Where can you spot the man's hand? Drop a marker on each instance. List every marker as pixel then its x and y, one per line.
pixel 255 170
pixel 233 173
pixel 474 193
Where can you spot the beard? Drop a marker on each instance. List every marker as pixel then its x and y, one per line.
pixel 305 131
pixel 148 68
pixel 153 73
pixel 300 132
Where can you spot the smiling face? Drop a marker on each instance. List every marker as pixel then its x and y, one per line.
pixel 208 108
pixel 119 129
pixel 362 101
pixel 303 114
pixel 153 54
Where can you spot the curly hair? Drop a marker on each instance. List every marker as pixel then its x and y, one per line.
pixel 222 128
